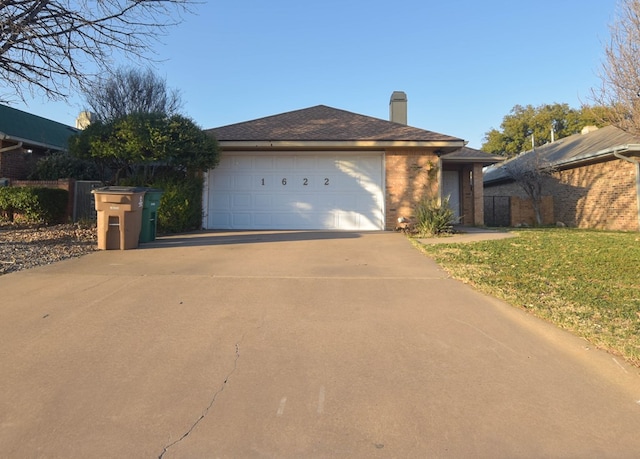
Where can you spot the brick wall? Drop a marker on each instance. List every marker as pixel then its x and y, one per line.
pixel 13 164
pixel 521 209
pixel 17 164
pixel 522 212
pixel 599 196
pixel 410 176
pixel 472 206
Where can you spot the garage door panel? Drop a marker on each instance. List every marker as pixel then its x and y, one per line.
pixel 242 182
pixel 285 163
pixel 241 163
pixel 262 220
pixel 224 163
pixel 241 219
pixel 222 219
pixel 264 163
pixel 306 191
pixel 222 182
pixel 303 182
pixel 348 220
pixel 305 163
pixel 221 201
pixel 263 201
pixel 242 200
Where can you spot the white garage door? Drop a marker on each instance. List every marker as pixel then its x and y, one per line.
pixel 296 191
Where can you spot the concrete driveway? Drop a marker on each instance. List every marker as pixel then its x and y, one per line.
pixel 293 344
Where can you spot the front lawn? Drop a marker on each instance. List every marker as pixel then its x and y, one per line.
pixel 587 282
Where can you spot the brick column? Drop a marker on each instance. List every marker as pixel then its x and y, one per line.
pixel 478 196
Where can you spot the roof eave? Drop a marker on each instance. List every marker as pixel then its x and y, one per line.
pixel 30 142
pixel 589 157
pixel 336 144
pixel 495 181
pixel 471 159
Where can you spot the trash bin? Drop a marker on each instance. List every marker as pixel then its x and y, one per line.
pixel 119 216
pixel 150 214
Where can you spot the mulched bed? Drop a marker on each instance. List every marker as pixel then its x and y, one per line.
pixel 24 246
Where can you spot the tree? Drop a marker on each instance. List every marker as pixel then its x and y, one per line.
pixel 47 45
pixel 619 74
pixel 130 90
pixel 529 171
pixel 542 124
pixel 139 144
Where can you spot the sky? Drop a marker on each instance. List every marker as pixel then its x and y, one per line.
pixel 464 64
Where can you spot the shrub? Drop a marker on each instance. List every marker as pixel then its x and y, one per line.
pixel 63 165
pixel 181 204
pixel 433 218
pixel 33 204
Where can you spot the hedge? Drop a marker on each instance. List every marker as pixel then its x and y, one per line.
pixel 33 204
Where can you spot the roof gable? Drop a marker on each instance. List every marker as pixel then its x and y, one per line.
pixel 322 123
pixel 32 129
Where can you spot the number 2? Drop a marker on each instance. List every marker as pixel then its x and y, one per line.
pixel 305 181
pixel 326 181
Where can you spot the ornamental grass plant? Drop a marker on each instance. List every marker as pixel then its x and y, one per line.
pixel 433 217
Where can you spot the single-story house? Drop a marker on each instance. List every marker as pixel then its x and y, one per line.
pixel 326 168
pixel 596 182
pixel 25 138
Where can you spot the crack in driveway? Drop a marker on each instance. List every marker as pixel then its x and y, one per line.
pixel 206 411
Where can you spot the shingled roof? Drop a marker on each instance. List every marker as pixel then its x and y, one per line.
pixel 570 151
pixel 33 130
pixel 471 155
pixel 322 123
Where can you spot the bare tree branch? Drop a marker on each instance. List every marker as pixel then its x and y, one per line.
pixel 48 45
pixel 619 74
pixel 128 90
pixel 529 171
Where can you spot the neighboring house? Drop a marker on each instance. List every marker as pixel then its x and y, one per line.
pixel 25 138
pixel 325 168
pixel 596 183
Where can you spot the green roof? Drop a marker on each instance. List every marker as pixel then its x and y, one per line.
pixel 33 130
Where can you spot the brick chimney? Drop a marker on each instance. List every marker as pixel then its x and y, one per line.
pixel 84 119
pixel 398 107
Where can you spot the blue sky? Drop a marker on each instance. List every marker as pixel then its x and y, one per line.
pixel 464 64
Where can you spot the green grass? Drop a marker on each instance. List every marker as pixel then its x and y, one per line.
pixel 587 282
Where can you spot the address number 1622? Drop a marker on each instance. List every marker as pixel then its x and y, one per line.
pixel 305 182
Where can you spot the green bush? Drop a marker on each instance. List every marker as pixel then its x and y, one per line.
pixel 433 218
pixel 33 204
pixel 181 204
pixel 63 165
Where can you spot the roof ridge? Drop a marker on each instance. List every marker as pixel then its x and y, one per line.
pixel 322 122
